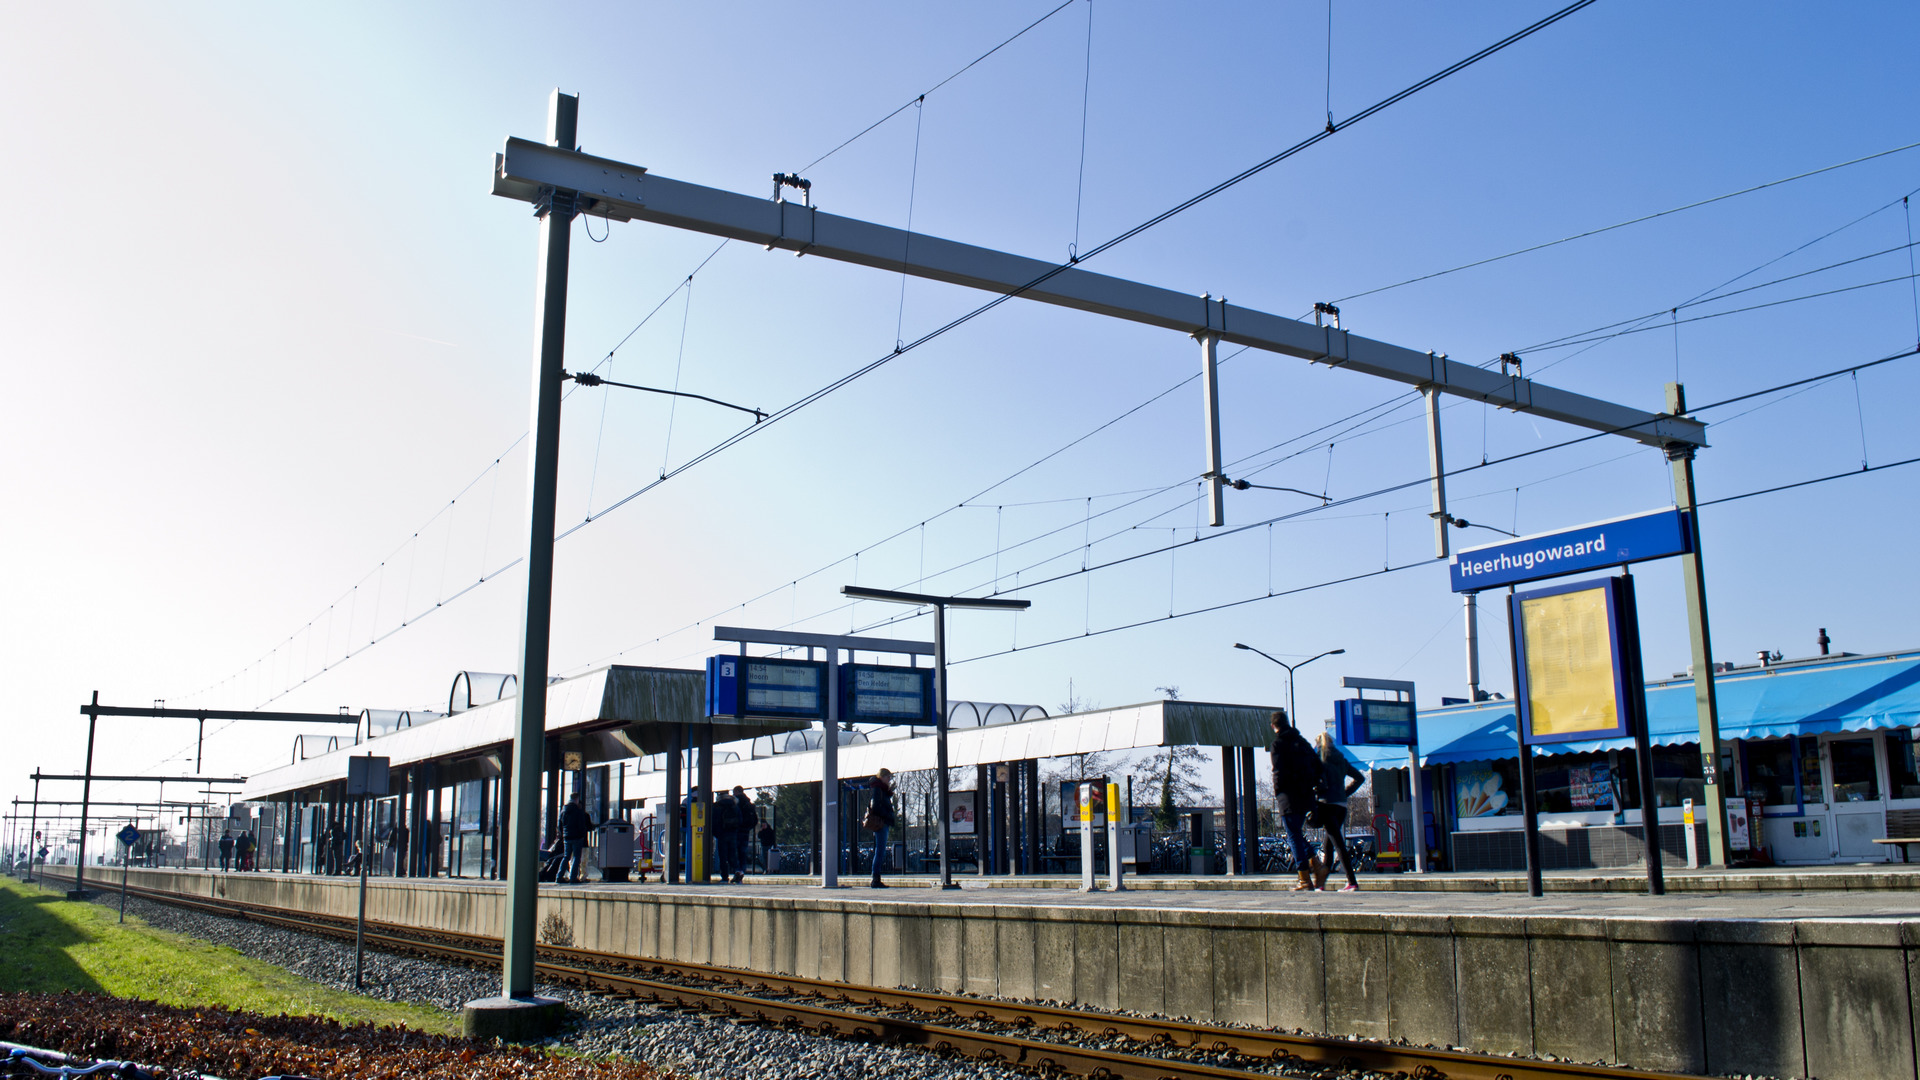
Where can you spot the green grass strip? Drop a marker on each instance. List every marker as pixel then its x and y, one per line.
pixel 49 943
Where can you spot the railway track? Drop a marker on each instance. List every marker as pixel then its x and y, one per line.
pixel 1046 1038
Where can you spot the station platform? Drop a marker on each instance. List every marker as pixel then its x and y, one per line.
pixel 1743 978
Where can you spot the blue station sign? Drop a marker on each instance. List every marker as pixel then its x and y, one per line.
pixel 1614 542
pixel 884 694
pixel 1362 722
pixel 766 686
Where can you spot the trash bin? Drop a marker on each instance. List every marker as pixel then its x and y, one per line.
pixel 1199 860
pixel 616 851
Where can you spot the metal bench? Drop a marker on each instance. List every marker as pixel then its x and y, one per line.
pixel 1903 828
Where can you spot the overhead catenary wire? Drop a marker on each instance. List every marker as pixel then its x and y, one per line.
pixel 1630 221
pixel 1152 222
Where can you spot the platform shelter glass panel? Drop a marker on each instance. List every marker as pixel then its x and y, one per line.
pixel 1903 764
pixel 1856 777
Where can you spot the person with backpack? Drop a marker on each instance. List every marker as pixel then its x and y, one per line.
pixel 1296 785
pixel 1339 780
pixel 879 820
pixel 244 848
pixel 575 826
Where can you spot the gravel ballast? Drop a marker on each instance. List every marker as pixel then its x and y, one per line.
pixel 690 1045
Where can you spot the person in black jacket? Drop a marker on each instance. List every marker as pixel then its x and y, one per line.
pixel 574 827
pixel 743 835
pixel 880 818
pixel 226 850
pixel 1296 786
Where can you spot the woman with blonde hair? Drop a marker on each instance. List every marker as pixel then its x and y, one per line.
pixel 1338 784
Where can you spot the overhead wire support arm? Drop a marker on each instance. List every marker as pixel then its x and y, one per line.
pixel 625 192
pixel 588 378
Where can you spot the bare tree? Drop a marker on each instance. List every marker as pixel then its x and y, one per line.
pixel 1171 779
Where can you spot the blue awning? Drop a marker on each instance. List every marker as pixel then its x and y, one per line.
pixel 1853 693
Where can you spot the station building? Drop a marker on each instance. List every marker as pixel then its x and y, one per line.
pixel 1819 756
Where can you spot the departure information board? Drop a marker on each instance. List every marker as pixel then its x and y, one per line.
pixel 1375 723
pixel 882 694
pixel 766 686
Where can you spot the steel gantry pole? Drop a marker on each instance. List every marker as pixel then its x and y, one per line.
pixel 86 795
pixel 1705 698
pixel 939 604
pixel 556 211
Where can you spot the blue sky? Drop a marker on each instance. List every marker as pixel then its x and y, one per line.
pixel 263 322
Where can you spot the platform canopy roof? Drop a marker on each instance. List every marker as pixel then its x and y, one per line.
pixel 606 714
pixel 1129 727
pixel 1811 697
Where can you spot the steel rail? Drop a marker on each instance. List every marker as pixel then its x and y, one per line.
pixel 1256 1047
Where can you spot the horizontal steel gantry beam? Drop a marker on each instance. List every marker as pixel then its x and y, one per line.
pixel 144 779
pixel 532 171
pixel 220 714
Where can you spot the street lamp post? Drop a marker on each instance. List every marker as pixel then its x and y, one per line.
pixel 939 604
pixel 1291 715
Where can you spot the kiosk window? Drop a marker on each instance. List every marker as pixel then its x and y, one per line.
pixel 1770 769
pixel 1855 778
pixel 1903 765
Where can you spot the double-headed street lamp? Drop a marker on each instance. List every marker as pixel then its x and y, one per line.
pixel 1292 716
pixel 939 604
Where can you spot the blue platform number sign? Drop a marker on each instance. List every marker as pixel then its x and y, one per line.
pixel 128 835
pixel 1573 677
pixel 885 694
pixel 766 686
pixel 1376 723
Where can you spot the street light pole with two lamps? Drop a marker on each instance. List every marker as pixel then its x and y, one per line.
pixel 1292 716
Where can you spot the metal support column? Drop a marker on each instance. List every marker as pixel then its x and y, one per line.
pixel 1705 698
pixel 1033 816
pixel 1210 403
pixel 672 859
pixel 33 827
pixel 543 472
pixel 86 796
pixel 1249 809
pixel 1472 602
pixel 1437 459
pixel 1230 794
pixel 702 864
pixel 830 778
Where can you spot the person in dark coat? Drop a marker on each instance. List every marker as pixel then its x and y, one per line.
pixel 1296 786
pixel 574 827
pixel 723 821
pixel 244 848
pixel 880 819
pixel 335 840
pixel 743 834
pixel 397 839
pixel 1338 783
pixel 226 850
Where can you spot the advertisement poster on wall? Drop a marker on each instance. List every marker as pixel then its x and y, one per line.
pixel 1070 803
pixel 960 807
pixel 1478 793
pixel 1591 787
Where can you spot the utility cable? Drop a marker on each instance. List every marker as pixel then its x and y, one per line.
pixel 922 96
pixel 1630 221
pixel 1238 178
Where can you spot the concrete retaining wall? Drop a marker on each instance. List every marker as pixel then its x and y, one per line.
pixel 1832 999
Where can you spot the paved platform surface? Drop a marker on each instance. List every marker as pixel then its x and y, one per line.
pixel 1838 892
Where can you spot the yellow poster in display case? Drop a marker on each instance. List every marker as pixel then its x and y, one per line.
pixel 1573 682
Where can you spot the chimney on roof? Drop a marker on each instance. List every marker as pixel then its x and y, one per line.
pixel 1824 641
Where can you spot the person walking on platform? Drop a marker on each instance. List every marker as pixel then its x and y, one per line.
pixel 1340 780
pixel 722 823
pixel 226 851
pixel 879 820
pixel 1296 783
pixel 743 835
pixel 335 841
pixel 397 843
pixel 574 827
